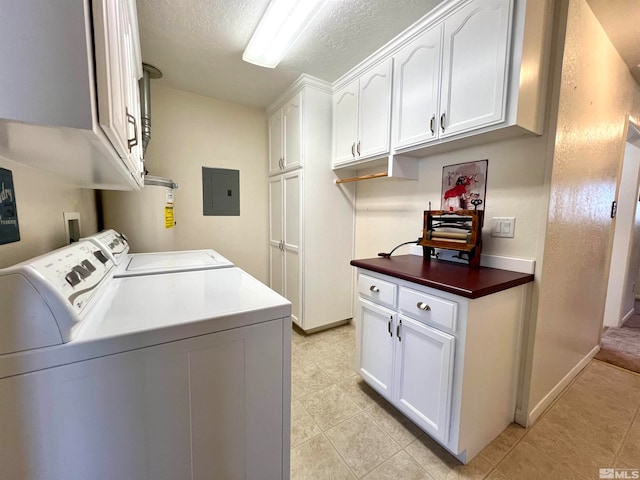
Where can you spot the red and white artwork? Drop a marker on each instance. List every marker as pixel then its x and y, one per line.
pixel 464 186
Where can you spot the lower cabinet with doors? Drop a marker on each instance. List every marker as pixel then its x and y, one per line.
pixel 449 363
pixel 310 218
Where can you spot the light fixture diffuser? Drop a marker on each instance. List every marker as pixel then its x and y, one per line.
pixel 278 30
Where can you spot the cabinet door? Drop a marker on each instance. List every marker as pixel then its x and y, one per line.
pixel 276 224
pixel 111 72
pixel 132 70
pixel 375 330
pixel 416 88
pixel 345 123
pixel 476 41
pixel 424 376
pixel 275 142
pixel 292 195
pixel 292 126
pixel 374 111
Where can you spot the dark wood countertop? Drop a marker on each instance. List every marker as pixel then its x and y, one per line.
pixel 446 276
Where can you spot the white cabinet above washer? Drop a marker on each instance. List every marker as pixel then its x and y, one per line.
pixel 69 99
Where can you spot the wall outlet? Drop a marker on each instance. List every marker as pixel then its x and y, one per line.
pixel 503 227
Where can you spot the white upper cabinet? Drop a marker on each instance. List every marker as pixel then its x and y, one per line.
pixel 74 71
pixel 452 78
pixel 362 116
pixel 118 69
pixel 475 60
pixel 469 72
pixel 417 89
pixel 285 136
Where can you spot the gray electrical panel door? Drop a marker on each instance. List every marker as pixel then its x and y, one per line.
pixel 220 191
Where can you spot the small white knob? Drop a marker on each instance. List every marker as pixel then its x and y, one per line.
pixel 374 289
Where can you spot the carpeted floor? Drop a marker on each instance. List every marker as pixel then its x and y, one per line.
pixel 621 346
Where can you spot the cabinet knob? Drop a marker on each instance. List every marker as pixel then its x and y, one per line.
pixel 374 289
pixel 423 306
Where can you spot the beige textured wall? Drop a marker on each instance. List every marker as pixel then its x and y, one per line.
pixel 190 132
pixel 41 200
pixel 596 93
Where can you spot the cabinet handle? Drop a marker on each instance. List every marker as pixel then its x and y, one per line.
pixel 132 142
pixel 282 164
pixel 423 306
pixel 389 327
pixel 442 117
pixel 374 289
pixel 281 245
pixel 398 330
pixel 432 125
pixel 358 147
pixel 353 149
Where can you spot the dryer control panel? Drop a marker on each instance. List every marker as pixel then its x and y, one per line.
pixel 45 297
pixel 113 244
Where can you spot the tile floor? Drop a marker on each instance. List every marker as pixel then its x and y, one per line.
pixel 342 429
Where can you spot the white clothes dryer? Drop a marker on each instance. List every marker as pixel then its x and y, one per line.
pixel 115 246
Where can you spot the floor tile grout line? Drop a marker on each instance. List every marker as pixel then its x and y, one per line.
pixel 345 461
pixel 636 417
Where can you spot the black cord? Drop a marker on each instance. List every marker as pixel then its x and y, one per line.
pixel 387 255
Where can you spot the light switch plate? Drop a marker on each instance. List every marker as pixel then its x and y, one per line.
pixel 503 227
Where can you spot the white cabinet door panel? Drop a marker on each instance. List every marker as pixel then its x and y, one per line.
pixel 292 231
pixel 424 376
pixel 275 142
pixel 474 68
pixel 375 364
pixel 345 123
pixel 417 88
pixel 374 111
pixel 276 223
pixel 292 127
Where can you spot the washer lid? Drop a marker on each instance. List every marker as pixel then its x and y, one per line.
pixel 168 262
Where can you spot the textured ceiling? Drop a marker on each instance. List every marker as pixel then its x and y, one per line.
pixel 198 44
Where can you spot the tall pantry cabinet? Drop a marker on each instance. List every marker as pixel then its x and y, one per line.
pixel 310 218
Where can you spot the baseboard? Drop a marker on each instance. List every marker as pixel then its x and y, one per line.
pixel 629 314
pixel 557 390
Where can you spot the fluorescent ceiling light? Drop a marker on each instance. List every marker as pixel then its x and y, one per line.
pixel 278 30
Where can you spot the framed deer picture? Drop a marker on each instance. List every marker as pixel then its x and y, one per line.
pixel 464 186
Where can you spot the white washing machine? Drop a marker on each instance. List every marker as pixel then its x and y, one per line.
pixel 173 376
pixel 115 246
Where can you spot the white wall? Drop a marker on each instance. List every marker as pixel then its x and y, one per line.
pixel 390 211
pixel 190 132
pixel 596 93
pixel 41 200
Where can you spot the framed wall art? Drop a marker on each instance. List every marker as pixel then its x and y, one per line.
pixel 9 230
pixel 464 186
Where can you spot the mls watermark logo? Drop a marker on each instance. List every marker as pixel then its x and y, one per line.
pixel 620 473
